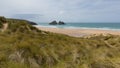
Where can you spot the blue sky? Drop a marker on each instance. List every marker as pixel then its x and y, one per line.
pixel 65 10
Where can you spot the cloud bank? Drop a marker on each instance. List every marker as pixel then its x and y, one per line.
pixel 65 10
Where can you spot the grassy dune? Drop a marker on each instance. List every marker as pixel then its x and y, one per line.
pixel 24 46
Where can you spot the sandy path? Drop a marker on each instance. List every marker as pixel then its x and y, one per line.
pixel 5 26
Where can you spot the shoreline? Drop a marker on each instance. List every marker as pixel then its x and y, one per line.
pixel 79 32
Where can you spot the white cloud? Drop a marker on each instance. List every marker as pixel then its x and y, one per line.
pixel 67 10
pixel 61 12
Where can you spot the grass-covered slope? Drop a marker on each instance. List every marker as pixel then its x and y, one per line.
pixel 24 46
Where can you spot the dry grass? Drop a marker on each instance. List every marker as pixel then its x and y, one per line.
pixel 23 46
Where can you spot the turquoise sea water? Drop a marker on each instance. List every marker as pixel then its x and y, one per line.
pixel 103 26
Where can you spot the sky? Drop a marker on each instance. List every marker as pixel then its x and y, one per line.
pixel 64 10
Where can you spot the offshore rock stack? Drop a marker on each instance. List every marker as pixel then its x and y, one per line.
pixel 57 23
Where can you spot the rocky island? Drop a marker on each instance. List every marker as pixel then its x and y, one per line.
pixel 57 23
pixel 61 23
pixel 53 23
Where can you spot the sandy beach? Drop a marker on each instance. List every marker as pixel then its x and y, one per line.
pixel 79 32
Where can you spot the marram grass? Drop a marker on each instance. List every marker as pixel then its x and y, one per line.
pixel 24 46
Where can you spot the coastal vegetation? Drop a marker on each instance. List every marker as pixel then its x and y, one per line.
pixel 24 46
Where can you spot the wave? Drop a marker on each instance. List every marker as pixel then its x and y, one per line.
pixel 102 28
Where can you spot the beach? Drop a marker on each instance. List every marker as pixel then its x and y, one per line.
pixel 79 32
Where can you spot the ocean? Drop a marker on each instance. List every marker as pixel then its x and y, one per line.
pixel 101 26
